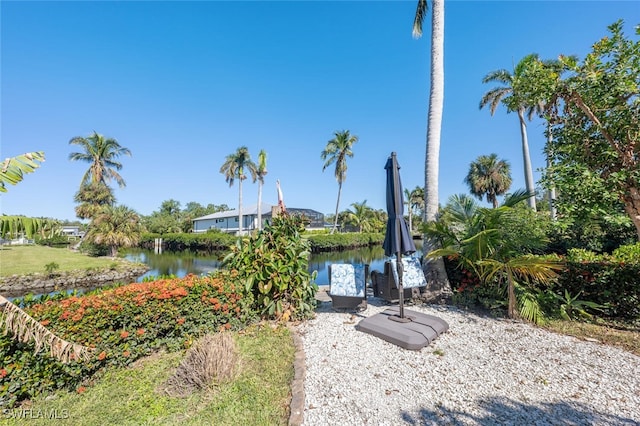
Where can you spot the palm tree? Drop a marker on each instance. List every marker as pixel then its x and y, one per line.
pixel 115 227
pixel 509 95
pixel 101 154
pixel 234 167
pixel 360 216
pixel 261 172
pixel 91 198
pixel 337 151
pixel 437 281
pixel 474 235
pixel 414 200
pixel 489 176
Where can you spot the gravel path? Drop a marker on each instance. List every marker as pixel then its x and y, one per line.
pixel 483 371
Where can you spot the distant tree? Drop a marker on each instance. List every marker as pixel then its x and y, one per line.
pixel 91 198
pixel 337 151
pixel 360 216
pixel 115 227
pixel 170 207
pixel 261 172
pixel 236 166
pixel 13 169
pixel 101 153
pixel 416 204
pixel 489 177
pixel 511 96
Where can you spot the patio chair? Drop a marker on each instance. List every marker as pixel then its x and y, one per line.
pixel 347 285
pixel 385 284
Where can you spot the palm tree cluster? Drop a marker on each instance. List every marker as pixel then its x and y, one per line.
pixel 477 238
pixel 111 226
pixel 236 167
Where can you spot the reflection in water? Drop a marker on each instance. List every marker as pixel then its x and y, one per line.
pixel 175 263
pixel 183 263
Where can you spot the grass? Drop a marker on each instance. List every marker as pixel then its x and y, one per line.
pixel 23 260
pixel 259 395
pixel 627 338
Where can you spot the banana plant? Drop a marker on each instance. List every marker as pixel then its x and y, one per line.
pixel 14 168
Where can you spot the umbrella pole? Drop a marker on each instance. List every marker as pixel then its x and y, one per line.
pixel 400 317
pixel 400 284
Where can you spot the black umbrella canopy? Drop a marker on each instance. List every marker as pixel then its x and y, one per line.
pixel 397 238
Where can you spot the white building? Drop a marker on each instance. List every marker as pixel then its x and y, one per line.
pixel 227 221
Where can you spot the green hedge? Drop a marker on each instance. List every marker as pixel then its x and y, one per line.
pixel 332 242
pixel 613 284
pixel 612 281
pixel 186 241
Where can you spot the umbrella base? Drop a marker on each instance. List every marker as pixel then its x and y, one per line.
pixel 414 334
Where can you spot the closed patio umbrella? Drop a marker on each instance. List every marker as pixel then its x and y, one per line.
pixel 417 329
pixel 397 239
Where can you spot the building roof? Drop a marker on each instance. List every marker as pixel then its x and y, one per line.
pixel 246 211
pixel 253 210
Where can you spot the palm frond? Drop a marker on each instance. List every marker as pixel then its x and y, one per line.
pixel 421 12
pixel 25 328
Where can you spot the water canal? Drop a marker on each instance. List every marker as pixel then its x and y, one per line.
pixel 187 262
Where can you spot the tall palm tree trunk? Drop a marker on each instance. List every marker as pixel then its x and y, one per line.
pixel 437 281
pixel 528 172
pixel 240 206
pixel 335 222
pixel 511 310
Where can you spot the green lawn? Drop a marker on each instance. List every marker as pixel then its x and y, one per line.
pixel 22 260
pixel 259 395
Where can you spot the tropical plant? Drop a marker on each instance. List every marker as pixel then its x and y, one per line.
pixel 337 151
pixel 474 236
pixel 29 227
pixel 261 172
pixel 415 203
pixel 273 264
pixel 235 167
pixel 115 227
pixel 360 216
pixel 594 114
pixel 511 97
pixel 13 169
pixel 489 177
pixel 101 153
pixel 571 306
pixel 435 272
pixel 91 198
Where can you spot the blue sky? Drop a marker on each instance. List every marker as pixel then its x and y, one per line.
pixel 183 84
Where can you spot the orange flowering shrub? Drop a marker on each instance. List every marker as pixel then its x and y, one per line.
pixel 121 324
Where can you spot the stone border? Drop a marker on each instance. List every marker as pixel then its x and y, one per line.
pixel 296 407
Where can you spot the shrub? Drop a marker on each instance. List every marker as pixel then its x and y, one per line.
pixel 209 241
pixel 330 242
pixel 122 324
pixel 273 264
pixel 51 267
pixel 627 254
pixel 612 281
pixel 54 241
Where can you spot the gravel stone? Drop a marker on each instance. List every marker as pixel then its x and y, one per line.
pixel 481 371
